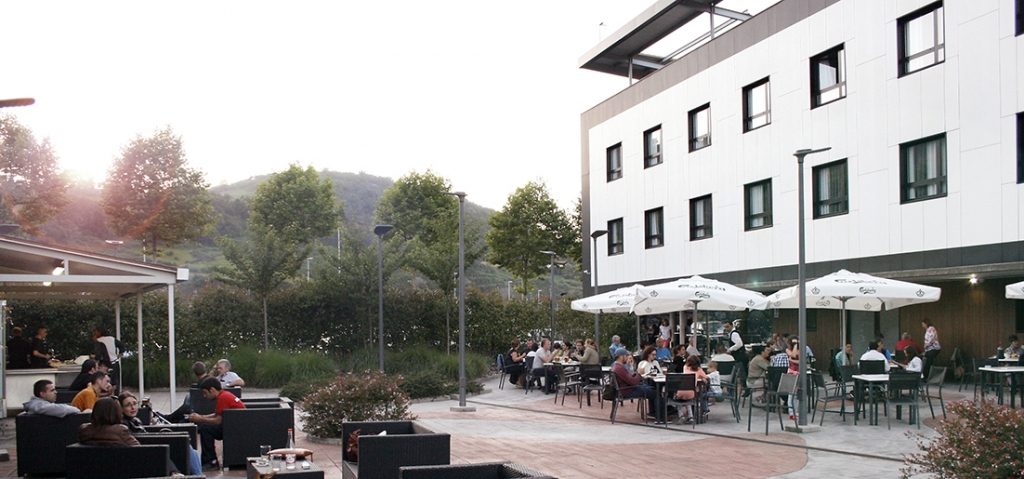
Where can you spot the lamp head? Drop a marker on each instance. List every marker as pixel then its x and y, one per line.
pixel 598 233
pixel 381 230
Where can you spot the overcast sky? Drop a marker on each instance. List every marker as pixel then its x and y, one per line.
pixel 487 94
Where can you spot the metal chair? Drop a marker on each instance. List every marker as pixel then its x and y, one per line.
pixel 903 390
pixel 753 394
pixel 731 393
pixel 619 400
pixel 675 382
pixel 566 382
pixel 825 393
pixel 776 399
pixel 970 370
pixel 592 379
pixel 872 367
pixel 501 367
pixel 933 389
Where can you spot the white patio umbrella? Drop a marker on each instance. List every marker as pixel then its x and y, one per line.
pixel 845 290
pixel 1015 290
pixel 617 301
pixel 695 293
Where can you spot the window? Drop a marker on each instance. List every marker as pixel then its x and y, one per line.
pixel 758 205
pixel 700 218
pixel 921 40
pixel 1019 12
pixel 615 242
pixel 654 228
pixel 757 106
pixel 700 127
pixel 614 155
pixel 923 169
pixel 830 189
pixel 652 147
pixel 828 76
pixel 1020 148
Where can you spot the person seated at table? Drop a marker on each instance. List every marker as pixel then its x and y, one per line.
pixel 514 363
pixel 845 357
pixel 84 376
pixel 631 385
pixel 914 362
pixel 905 342
pixel 714 381
pixel 540 370
pixel 794 368
pixel 556 349
pixel 664 354
pixel 692 367
pixel 722 355
pixel 98 387
pixel 228 379
pixel 780 359
pixel 691 349
pixel 678 358
pixel 649 365
pixel 106 427
pixel 44 401
pixel 756 370
pixel 879 338
pixel 874 353
pixel 590 355
pixel 616 345
pixel 130 411
pixel 1014 350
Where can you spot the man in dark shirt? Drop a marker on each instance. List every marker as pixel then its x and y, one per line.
pixel 18 350
pixel 40 355
pixel 84 377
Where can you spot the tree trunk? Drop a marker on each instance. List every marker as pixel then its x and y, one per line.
pixel 266 342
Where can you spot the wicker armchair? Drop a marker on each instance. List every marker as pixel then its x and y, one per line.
pixel 406 444
pixel 117 462
pixel 491 470
pixel 41 441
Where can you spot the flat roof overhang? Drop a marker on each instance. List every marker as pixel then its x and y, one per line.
pixel 614 53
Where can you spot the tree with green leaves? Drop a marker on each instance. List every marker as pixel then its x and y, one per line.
pixel 33 189
pixel 261 264
pixel 152 195
pixel 427 221
pixel 529 223
pixel 296 204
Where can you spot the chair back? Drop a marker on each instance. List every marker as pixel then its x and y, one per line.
pixel 977 364
pixel 591 373
pixel 788 383
pixel 904 383
pixel 774 373
pixel 901 356
pixel 872 367
pixel 848 372
pixel 680 382
pixel 818 380
pixel 725 367
pixel 992 362
pixel 937 375
pixel 501 362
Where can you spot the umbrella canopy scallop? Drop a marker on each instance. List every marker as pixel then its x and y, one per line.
pixel 693 293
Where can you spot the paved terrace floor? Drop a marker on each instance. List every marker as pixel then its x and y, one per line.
pixel 572 442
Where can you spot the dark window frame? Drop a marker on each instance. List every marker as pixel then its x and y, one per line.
pixel 707 228
pixel 940 179
pixel 616 247
pixel 843 200
pixel 1020 147
pixel 937 49
pixel 613 174
pixel 748 218
pixel 704 140
pixel 1019 16
pixel 838 55
pixel 653 159
pixel 767 113
pixel 658 240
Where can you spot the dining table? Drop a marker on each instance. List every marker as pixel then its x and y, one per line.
pixel 1014 373
pixel 871 382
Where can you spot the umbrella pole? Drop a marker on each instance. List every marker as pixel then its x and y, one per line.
pixel 597 330
pixel 842 324
pixel 637 335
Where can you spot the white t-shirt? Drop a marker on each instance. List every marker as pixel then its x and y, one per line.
pixel 715 381
pixel 873 355
pixel 915 365
pixel 666 333
pixel 650 368
pixel 228 378
pixel 538 360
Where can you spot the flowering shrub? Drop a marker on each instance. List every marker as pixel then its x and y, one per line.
pixel 986 441
pixel 355 397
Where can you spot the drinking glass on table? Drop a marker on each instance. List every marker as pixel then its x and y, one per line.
pixel 265 454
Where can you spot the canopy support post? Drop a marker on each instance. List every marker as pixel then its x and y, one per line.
pixel 138 318
pixel 170 341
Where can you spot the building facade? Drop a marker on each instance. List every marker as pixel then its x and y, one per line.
pixel 691 169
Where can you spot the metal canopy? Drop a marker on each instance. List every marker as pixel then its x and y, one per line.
pixel 623 49
pixel 26 268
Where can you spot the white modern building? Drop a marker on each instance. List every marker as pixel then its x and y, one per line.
pixel 691 170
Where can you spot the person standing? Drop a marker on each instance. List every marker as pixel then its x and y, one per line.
pixel 40 356
pixel 18 351
pixel 736 348
pixel 932 348
pixel 107 353
pixel 664 334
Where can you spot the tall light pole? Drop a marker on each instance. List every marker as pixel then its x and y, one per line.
pixel 380 231
pixel 508 291
pixel 307 267
pixel 462 304
pixel 597 316
pixel 551 293
pixel 802 281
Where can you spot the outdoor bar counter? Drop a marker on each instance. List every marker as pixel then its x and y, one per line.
pixel 20 381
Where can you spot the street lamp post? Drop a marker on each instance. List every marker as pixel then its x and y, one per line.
pixel 380 231
pixel 462 304
pixel 597 316
pixel 116 244
pixel 551 292
pixel 802 281
pixel 508 291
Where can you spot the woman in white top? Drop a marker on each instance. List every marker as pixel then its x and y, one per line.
pixel 649 365
pixel 914 362
pixel 666 333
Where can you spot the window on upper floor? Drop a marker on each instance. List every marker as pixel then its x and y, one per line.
pixel 758 205
pixel 614 156
pixel 830 189
pixel 923 169
pixel 921 39
pixel 654 228
pixel 615 242
pixel 700 127
pixel 700 218
pixel 652 147
pixel 1020 148
pixel 757 105
pixel 828 76
pixel 1019 13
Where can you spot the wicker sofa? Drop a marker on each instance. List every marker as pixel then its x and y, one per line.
pixel 117 462
pixel 41 440
pixel 406 444
pixel 261 422
pixel 489 470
